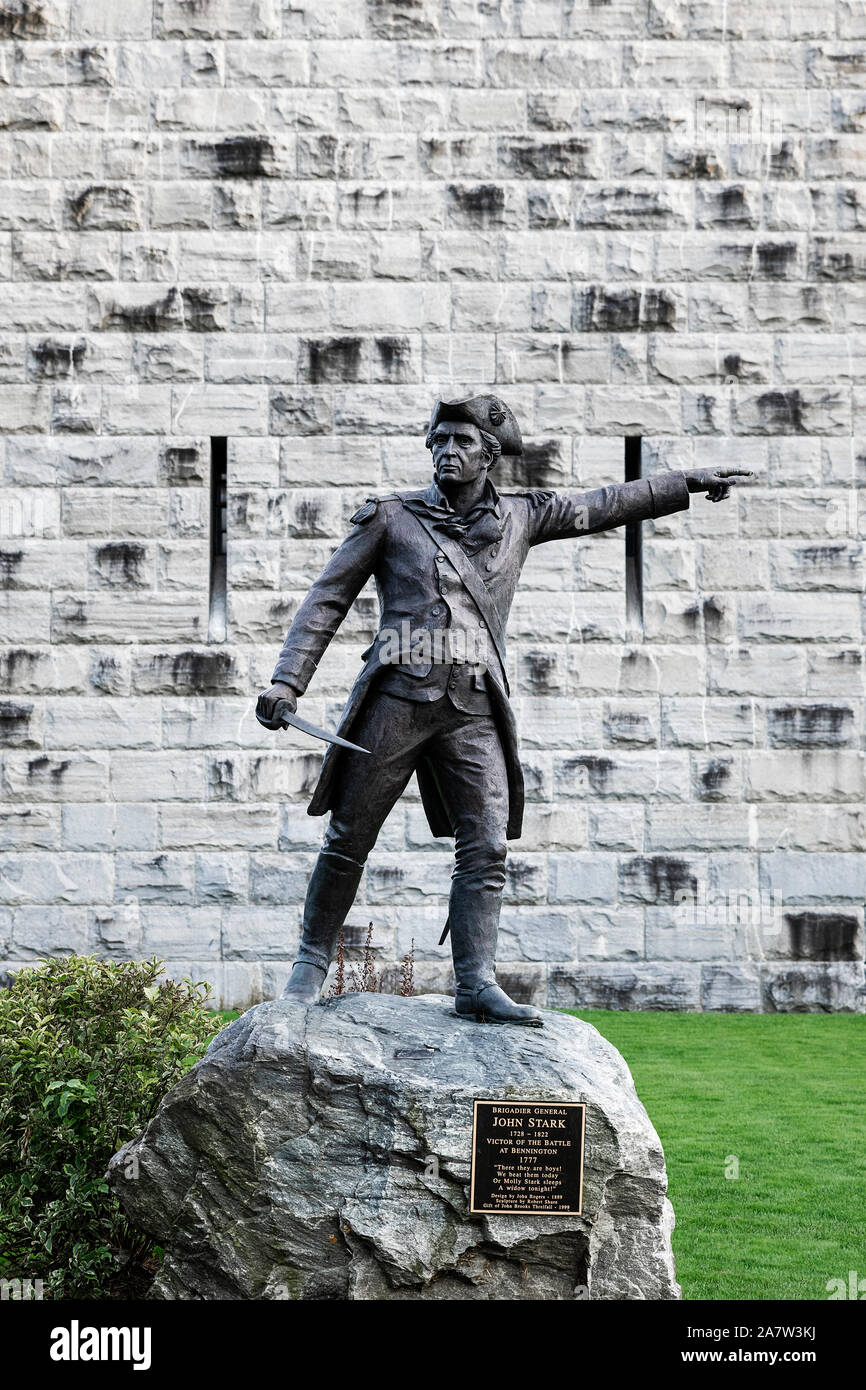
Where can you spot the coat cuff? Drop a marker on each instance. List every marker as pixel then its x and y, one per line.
pixel 670 493
pixel 289 675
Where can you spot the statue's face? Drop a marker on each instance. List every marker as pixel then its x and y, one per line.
pixel 458 453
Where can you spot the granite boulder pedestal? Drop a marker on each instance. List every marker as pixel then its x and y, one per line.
pixel 323 1152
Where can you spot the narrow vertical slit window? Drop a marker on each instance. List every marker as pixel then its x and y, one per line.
pixel 634 546
pixel 216 630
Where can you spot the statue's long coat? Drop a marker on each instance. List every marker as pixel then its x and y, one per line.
pixel 389 543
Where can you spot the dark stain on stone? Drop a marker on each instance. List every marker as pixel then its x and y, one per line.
pixel 14 719
pixel 433 148
pixel 519 871
pixel 23 20
pixel 624 311
pixel 830 264
pixel 155 317
pixel 37 766
pixel 732 364
pixel 10 563
pixel 322 156
pixel 517 986
pixel 541 667
pixel 330 360
pixel 200 308
pixel 546 159
pixel 483 202
pixel 539 466
pixel 104 673
pixel 625 721
pixel 704 407
pixel 222 780
pixel 354 941
pixel 714 616
pixel 782 411
pixel 74 610
pixel 225 783
pixel 307 766
pixel 193 672
pixel 810 725
pixel 91 64
pixel 774 258
pixel 399 19
pixel 694 164
pixel 17 666
pixel 243 157
pixel 389 873
pixel 181 464
pixel 520 989
pixel 597 769
pixel 783 160
pixel 122 562
pixel 732 204
pixel 394 358
pixel 825 555
pixel 545 210
pixel 705 166
pixel 668 877
pixel 281 611
pixel 361 195
pixel 658 309
pixel 51 360
pixel 608 311
pixel 715 774
pixel 239 504
pixel 822 936
pixel 307 514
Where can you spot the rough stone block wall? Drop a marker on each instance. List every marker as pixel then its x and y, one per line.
pixel 291 224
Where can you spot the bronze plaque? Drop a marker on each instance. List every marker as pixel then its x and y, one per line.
pixel 527 1156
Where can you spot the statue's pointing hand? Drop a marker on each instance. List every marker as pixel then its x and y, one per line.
pixel 716 482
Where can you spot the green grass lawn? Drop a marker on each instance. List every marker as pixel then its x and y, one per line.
pixel 786 1095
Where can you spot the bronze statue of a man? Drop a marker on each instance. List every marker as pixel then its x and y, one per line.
pixel 432 697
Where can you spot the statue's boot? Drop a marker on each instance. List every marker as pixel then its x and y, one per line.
pixel 330 894
pixel 474 918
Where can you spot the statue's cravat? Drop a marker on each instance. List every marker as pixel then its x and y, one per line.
pixel 480 526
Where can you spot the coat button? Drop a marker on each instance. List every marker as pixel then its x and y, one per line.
pixel 488 566
pixel 440 557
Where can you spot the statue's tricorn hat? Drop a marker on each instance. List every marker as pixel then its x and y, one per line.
pixel 487 413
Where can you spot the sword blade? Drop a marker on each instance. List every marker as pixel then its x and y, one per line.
pixel 307 728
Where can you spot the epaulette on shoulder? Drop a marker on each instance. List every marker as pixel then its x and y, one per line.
pixel 365 512
pixel 368 510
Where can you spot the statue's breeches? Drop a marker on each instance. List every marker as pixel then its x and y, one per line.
pixel 466 752
pixel 469 763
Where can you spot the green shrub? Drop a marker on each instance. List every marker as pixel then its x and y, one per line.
pixel 88 1049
